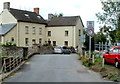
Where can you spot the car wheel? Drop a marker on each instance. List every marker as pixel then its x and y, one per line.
pixel 116 63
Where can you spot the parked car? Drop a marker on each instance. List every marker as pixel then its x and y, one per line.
pixel 66 50
pixel 58 49
pixel 72 49
pixel 113 56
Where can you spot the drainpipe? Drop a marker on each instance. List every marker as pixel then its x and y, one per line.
pixel 17 34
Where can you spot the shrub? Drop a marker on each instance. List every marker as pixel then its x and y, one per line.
pixel 7 44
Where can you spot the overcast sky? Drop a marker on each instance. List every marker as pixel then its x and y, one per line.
pixel 85 8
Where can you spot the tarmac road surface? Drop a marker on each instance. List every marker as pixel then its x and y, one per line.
pixel 54 68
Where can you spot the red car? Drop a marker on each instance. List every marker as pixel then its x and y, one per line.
pixel 113 56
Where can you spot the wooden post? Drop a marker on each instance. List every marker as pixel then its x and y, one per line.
pixel 93 59
pixel 10 64
pixel 103 61
pixel 4 65
pixel 85 54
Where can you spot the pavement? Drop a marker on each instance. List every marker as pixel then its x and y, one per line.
pixel 54 68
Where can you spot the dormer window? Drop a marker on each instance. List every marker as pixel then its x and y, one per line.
pixel 38 17
pixel 27 15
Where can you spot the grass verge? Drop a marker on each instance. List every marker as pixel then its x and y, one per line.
pixel 109 71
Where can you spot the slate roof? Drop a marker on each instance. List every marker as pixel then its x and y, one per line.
pixel 64 21
pixel 5 28
pixel 27 16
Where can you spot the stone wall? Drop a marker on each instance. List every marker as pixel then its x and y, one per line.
pixel 12 51
pixel 45 49
pixel 25 52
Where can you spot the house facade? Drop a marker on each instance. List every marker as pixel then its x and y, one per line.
pixel 28 29
pixel 65 31
pixel 25 28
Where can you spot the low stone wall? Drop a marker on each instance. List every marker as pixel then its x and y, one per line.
pixel 25 51
pixel 45 49
pixel 12 51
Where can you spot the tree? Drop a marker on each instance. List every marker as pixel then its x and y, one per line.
pixel 117 35
pixel 111 18
pixel 58 15
pixel 110 15
pixel 100 37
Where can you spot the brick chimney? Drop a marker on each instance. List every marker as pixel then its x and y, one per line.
pixel 6 5
pixel 36 10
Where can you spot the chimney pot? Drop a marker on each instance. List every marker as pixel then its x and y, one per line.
pixel 6 5
pixel 36 10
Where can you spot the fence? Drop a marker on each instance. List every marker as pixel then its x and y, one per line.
pixel 102 47
pixel 10 63
pixel 15 55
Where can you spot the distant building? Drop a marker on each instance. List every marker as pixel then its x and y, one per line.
pixel 65 31
pixel 25 28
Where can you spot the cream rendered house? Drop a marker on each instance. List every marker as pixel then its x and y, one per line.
pixel 65 31
pixel 24 28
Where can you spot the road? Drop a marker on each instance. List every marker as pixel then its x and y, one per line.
pixel 54 68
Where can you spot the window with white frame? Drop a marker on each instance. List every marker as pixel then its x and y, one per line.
pixel 26 41
pixel 33 30
pixel 26 30
pixel 49 33
pixel 66 33
pixel 40 40
pixel 66 43
pixel 54 43
pixel 34 41
pixel 40 31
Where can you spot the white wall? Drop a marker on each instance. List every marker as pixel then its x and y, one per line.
pixel 9 35
pixel 21 33
pixel 78 27
pixel 58 35
pixel 6 17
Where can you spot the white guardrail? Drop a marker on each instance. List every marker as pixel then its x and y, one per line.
pixel 10 63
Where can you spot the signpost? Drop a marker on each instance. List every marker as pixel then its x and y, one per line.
pixel 83 38
pixel 90 33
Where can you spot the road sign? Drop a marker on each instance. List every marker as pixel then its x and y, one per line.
pixel 82 38
pixel 90 28
pixel 90 31
pixel 90 24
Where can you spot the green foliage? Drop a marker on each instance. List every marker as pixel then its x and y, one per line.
pixel 7 44
pixel 117 35
pixel 100 37
pixel 58 15
pixel 110 14
pixel 108 72
pixel 111 17
pixel 27 60
pixel 86 61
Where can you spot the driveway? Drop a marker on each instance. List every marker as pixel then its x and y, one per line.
pixel 54 68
